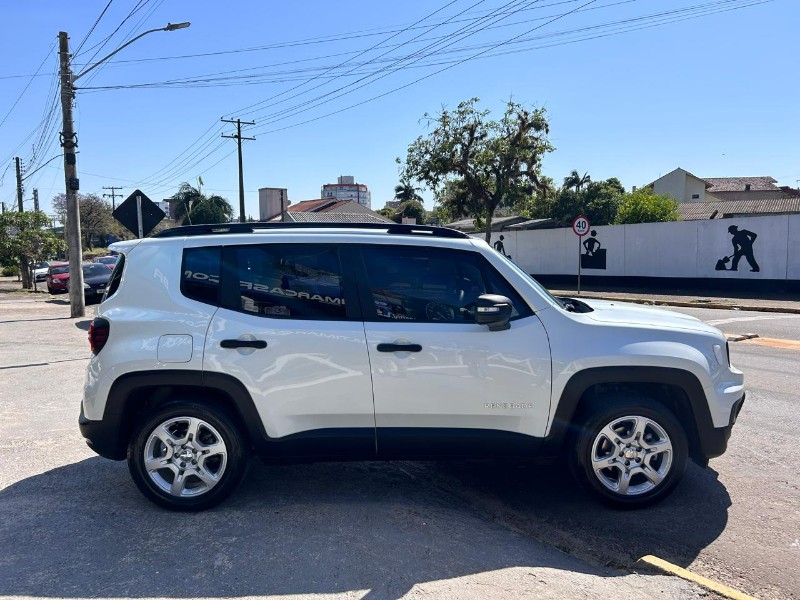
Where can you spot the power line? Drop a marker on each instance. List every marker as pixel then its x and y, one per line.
pixel 92 28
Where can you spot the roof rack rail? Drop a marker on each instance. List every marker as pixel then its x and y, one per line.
pixel 393 228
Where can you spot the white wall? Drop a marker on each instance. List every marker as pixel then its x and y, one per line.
pixel 681 249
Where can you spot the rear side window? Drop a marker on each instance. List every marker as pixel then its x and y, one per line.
pixel 290 281
pixel 116 277
pixel 200 277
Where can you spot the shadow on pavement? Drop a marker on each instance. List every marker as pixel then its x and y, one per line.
pixel 84 324
pixel 547 504
pixel 83 530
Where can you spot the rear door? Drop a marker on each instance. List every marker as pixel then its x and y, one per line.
pixel 444 385
pixel 290 329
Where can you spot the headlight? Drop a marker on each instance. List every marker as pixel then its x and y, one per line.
pixel 86 286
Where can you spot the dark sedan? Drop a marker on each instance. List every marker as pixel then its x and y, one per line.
pixel 95 280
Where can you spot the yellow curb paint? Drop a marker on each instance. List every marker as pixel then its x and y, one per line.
pixel 773 343
pixel 668 567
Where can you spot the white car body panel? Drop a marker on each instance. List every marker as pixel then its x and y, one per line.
pixel 312 374
pixel 465 376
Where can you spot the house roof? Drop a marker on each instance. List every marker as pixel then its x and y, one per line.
pixel 737 184
pixel 336 217
pixel 694 211
pixel 704 180
pixel 311 205
pixel 498 223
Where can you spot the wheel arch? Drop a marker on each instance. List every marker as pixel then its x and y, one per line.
pixel 134 394
pixel 678 390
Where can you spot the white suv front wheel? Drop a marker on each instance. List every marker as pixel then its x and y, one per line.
pixel 631 452
pixel 187 456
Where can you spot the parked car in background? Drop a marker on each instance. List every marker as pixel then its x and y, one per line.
pixel 57 277
pixel 111 261
pixel 95 280
pixel 40 270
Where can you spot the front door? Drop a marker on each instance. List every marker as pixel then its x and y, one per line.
pixel 442 384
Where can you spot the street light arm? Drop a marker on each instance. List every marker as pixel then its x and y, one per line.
pixel 169 27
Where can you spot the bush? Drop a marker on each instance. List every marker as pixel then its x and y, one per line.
pixel 11 270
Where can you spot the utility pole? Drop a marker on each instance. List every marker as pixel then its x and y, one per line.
pixel 19 186
pixel 113 195
pixel 70 141
pixel 238 137
pixel 35 199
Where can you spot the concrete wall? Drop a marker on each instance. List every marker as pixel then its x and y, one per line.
pixel 683 249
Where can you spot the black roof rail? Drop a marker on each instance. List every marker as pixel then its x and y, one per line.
pixel 393 228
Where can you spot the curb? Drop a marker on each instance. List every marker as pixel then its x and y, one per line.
pixel 667 567
pixel 742 337
pixel 684 304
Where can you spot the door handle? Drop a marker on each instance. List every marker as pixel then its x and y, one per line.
pixel 257 344
pixel 399 348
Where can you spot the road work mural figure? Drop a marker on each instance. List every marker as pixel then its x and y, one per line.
pixel 742 241
pixel 498 245
pixel 595 256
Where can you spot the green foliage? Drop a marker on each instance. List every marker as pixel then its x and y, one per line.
pixel 645 206
pixel 96 219
pixel 194 208
pixel 404 192
pixel 475 165
pixel 25 238
pixel 599 201
pixel 411 209
pixel 11 270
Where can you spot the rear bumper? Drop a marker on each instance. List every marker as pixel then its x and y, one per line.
pixel 714 441
pixel 102 437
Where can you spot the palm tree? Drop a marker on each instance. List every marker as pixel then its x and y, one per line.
pixel 575 180
pixel 194 208
pixel 404 192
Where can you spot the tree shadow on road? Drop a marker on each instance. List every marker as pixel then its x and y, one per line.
pixel 83 530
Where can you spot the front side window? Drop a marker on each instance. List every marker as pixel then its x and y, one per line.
pixel 432 285
pixel 298 281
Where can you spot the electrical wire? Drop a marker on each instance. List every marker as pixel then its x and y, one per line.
pixel 92 28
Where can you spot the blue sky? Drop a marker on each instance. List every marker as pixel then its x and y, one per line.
pixel 715 94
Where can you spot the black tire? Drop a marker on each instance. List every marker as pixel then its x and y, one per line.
pixel 591 443
pixel 50 290
pixel 224 466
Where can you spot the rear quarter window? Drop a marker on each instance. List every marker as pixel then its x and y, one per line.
pixel 116 277
pixel 200 274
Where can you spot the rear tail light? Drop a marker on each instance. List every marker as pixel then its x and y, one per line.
pixel 98 334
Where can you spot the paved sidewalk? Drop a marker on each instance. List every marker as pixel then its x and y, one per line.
pixel 765 302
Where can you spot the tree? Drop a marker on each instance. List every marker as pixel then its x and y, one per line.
pixel 410 209
pixel 404 192
pixel 25 238
pixel 645 206
pixel 575 180
pixel 495 163
pixel 194 208
pixel 96 219
pixel 599 201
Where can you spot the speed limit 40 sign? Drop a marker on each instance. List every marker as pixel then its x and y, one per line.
pixel 581 226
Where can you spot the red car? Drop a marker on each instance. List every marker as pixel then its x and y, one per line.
pixel 57 277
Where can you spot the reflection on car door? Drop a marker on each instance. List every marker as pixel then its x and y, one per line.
pixel 442 384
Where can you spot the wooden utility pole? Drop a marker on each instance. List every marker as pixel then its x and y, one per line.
pixel 70 142
pixel 113 195
pixel 238 137
pixel 19 186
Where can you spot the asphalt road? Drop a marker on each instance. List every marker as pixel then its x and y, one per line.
pixel 73 525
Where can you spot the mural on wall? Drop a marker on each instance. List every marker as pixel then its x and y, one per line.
pixel 742 241
pixel 498 245
pixel 595 255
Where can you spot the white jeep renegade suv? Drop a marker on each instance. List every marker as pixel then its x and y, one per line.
pixel 303 342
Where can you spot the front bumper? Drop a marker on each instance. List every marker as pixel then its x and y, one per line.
pixel 714 441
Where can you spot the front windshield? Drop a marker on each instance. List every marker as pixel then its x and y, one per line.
pixel 541 289
pixel 60 270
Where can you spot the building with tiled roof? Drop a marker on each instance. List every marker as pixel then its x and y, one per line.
pixel 330 210
pixel 725 209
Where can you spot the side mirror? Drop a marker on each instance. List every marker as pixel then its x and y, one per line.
pixel 492 310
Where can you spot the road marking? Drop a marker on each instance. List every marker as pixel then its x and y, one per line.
pixel 709 584
pixel 759 318
pixel 773 343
